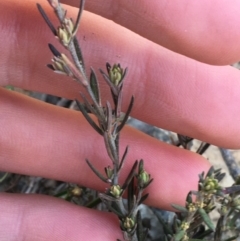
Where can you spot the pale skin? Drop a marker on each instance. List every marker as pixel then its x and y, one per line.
pixel 193 93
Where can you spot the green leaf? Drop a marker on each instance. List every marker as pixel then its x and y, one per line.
pixel 88 118
pixel 206 218
pixel 233 189
pixel 150 181
pixel 232 221
pixel 3 176
pixel 203 147
pixel 189 197
pixel 126 115
pixel 89 108
pixel 79 53
pixel 111 147
pixel 80 11
pixel 130 175
pixel 131 198
pixel 109 117
pixel 179 235
pixel 123 159
pixel 218 233
pixel 143 198
pixel 94 86
pixel 184 140
pixel 47 20
pixel 94 203
pixel 104 179
pixel 210 172
pixel 179 208
pixel 64 194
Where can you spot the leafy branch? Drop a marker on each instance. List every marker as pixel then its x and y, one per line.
pixel 109 124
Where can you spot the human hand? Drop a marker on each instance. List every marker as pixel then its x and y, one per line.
pixel 171 91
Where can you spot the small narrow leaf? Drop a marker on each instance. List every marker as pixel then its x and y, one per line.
pixel 108 67
pixel 130 176
pixel 111 148
pixel 88 118
pixel 210 172
pixel 220 176
pixel 184 140
pixel 179 235
pixel 124 73
pixel 201 177
pixel 50 66
pixel 126 115
pixel 79 53
pixel 93 203
pixel 140 166
pixel 94 86
pixel 179 208
pixel 189 197
pixel 123 159
pixel 218 233
pixel 88 106
pixel 203 147
pixel 233 189
pixel 131 194
pixel 45 17
pixel 150 181
pixel 118 102
pixel 62 194
pixel 232 221
pixel 206 218
pixel 109 117
pixel 111 85
pixel 104 179
pixel 143 198
pixel 54 50
pixel 81 7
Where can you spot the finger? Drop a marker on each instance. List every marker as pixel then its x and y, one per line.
pixel 185 96
pixel 44 140
pixel 36 217
pixel 198 29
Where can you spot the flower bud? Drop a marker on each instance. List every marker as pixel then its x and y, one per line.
pixel 116 74
pixel 116 191
pixel 143 178
pixel 60 67
pixel 68 23
pixel 191 207
pixel 185 225
pixel 129 223
pixel 211 185
pixel 64 36
pixel 76 191
pixel 57 65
